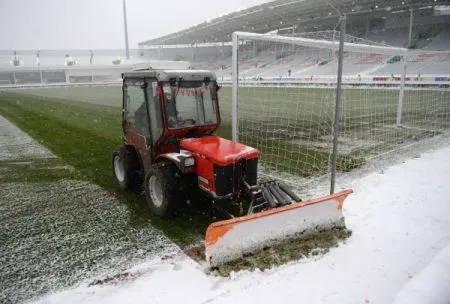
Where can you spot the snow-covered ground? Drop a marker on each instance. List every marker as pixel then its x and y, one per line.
pixel 16 144
pixel 400 217
pixel 57 230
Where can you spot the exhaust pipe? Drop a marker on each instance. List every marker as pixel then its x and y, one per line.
pixel 268 197
pixel 282 198
pixel 289 192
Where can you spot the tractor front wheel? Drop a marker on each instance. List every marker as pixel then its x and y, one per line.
pixel 162 189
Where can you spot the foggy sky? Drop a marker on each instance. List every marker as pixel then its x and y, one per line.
pixel 98 24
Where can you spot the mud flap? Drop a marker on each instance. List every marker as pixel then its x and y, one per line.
pixel 232 239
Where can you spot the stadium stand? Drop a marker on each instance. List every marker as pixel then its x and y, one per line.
pixel 441 42
pixel 381 22
pixel 208 45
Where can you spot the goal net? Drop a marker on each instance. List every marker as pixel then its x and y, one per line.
pixel 284 91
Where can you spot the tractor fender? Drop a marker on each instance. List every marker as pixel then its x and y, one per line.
pixel 179 160
pixel 132 150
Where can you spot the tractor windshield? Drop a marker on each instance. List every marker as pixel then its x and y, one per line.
pixel 190 103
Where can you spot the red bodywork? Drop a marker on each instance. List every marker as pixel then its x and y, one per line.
pixel 213 150
pixel 221 151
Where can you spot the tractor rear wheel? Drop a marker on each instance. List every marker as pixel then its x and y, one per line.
pixel 125 167
pixel 162 189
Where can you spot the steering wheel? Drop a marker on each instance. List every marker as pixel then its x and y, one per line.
pixel 184 121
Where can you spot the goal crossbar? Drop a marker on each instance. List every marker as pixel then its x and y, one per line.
pixel 323 44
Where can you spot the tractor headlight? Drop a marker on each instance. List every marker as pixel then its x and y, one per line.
pixel 189 161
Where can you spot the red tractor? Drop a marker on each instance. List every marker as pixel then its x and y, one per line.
pixel 169 119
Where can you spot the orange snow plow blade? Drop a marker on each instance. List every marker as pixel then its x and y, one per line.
pixel 231 239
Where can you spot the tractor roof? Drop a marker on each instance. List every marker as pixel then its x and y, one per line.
pixel 166 75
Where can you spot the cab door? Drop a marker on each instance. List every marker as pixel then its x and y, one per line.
pixel 142 119
pixel 136 125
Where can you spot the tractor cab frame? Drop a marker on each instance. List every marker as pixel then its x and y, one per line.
pixel 162 107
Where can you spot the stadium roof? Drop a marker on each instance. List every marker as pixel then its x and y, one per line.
pixel 281 14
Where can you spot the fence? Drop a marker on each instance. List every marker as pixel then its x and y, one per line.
pixel 13 77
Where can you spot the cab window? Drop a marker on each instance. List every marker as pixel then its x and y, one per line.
pixel 135 109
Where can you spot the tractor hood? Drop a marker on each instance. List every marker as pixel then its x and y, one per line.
pixel 221 151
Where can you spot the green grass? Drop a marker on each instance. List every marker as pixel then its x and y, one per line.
pixel 292 126
pixel 101 95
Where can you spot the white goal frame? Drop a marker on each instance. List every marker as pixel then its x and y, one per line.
pixel 323 44
pixel 342 47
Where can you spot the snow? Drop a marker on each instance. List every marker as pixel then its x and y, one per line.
pixel 432 285
pixel 16 144
pixel 59 232
pixel 400 219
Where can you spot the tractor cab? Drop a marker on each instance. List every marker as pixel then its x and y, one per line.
pixel 169 118
pixel 160 107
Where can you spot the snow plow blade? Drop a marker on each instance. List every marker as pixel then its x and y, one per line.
pixel 232 239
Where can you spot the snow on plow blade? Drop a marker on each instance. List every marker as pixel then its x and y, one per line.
pixel 231 239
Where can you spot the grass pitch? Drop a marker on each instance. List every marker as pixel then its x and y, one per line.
pixel 84 135
pixel 82 125
pixel 292 127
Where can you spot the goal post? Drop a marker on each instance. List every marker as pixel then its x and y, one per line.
pixel 283 102
pixel 337 106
